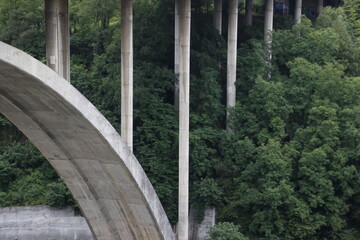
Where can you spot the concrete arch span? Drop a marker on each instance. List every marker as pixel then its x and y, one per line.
pixel 105 178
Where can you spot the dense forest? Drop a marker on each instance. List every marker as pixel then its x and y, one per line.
pixel 289 170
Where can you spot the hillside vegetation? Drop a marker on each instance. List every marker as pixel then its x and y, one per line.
pixel 291 168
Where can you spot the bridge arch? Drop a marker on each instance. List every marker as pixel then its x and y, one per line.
pixel 111 188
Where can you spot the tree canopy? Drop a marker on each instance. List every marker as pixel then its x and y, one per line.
pixel 289 171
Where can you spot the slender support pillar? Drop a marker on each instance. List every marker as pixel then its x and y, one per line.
pixel 231 56
pixel 320 6
pixel 218 15
pixel 184 108
pixel 127 72
pixel 297 14
pixel 269 14
pixel 58 37
pixel 177 54
pixel 248 12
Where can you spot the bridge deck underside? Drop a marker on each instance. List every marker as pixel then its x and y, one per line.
pixel 103 175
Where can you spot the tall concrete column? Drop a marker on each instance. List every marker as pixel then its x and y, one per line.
pixel 127 72
pixel 268 27
pixel 231 56
pixel 177 54
pixel 58 37
pixel 184 108
pixel 218 15
pixel 248 12
pixel 320 6
pixel 297 14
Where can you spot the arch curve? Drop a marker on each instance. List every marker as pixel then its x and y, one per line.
pixel 105 178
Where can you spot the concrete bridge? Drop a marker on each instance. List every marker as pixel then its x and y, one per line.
pixel 95 163
pixel 112 190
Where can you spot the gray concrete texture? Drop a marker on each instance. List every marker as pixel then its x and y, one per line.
pixel 42 222
pixel 184 111
pixel 58 36
pixel 111 188
pixel 199 230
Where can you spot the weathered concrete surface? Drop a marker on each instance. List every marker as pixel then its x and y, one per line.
pixel 298 9
pixel 127 91
pixel 231 58
pixel 205 225
pixel 184 113
pixel 218 15
pixel 42 222
pixel 107 181
pixel 199 230
pixel 58 36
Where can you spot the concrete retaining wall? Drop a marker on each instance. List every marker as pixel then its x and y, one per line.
pixel 42 222
pixel 199 230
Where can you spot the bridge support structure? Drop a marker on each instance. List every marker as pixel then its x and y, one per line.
pixel 218 15
pixel 268 27
pixel 58 37
pixel 111 188
pixel 231 57
pixel 127 72
pixel 320 7
pixel 184 112
pixel 297 14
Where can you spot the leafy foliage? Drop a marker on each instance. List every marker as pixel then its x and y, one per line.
pixel 289 171
pixel 225 231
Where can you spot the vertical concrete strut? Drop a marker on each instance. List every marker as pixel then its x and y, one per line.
pixel 297 14
pixel 57 37
pixel 218 15
pixel 127 72
pixel 320 6
pixel 268 27
pixel 184 108
pixel 231 56
pixel 177 54
pixel 248 12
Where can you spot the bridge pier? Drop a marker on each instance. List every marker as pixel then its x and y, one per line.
pixel 320 6
pixel 231 56
pixel 57 37
pixel 268 27
pixel 298 8
pixel 218 15
pixel 127 72
pixel 184 109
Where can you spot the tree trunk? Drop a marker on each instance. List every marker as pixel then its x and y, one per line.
pixel 269 13
pixel 249 12
pixel 297 14
pixel 57 37
pixel 218 15
pixel 127 72
pixel 231 57
pixel 184 98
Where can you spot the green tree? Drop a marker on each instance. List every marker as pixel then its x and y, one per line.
pixel 225 231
